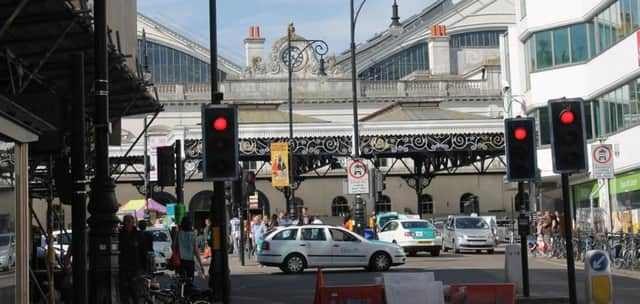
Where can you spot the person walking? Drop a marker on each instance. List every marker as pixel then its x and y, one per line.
pixel 547 231
pixel 234 223
pixel 258 229
pixel 131 264
pixel 284 219
pixel 189 251
pixel 304 217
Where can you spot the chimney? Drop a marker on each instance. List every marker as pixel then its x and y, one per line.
pixel 439 53
pixel 253 46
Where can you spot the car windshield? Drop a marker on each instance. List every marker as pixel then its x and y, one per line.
pixel 471 223
pixel 160 236
pixel 4 240
pixel 384 220
pixel 416 224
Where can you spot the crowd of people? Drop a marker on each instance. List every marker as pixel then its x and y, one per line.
pixel 261 225
pixel 549 226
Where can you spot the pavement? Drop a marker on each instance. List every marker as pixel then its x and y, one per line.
pixel 255 284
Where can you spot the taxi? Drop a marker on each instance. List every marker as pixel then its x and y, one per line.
pixel 412 235
pixel 295 248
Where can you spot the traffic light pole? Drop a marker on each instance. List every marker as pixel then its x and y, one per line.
pixel 219 267
pixel 571 271
pixel 523 241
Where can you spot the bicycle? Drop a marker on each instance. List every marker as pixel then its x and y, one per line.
pixel 181 291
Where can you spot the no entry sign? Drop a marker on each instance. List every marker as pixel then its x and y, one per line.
pixel 358 177
pixel 602 161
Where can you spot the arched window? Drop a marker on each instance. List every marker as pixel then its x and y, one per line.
pixel 339 206
pixel 426 204
pixel 383 205
pixel 469 203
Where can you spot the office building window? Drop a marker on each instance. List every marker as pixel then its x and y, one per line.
pixel 544 53
pixel 561 46
pixel 579 43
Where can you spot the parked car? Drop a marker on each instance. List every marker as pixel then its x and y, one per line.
pixel 295 248
pixel 468 233
pixel 7 251
pixel 161 245
pixel 412 235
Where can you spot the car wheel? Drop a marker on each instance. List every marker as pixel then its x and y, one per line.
pixel 435 252
pixel 490 251
pixel 294 263
pixel 380 261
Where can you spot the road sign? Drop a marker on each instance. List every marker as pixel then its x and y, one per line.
pixel 357 177
pixel 598 261
pixel 602 161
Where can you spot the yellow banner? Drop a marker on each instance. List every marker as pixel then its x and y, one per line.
pixel 279 164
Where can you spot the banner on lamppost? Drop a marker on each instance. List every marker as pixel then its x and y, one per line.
pixel 279 164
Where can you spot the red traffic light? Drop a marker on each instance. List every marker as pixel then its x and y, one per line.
pixel 220 124
pixel 567 117
pixel 520 133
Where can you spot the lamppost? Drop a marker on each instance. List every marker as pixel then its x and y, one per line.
pixel 395 28
pixel 319 48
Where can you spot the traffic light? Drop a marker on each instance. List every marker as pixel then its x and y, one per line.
pixel 520 149
pixel 248 183
pixel 220 142
pixel 166 166
pixel 568 142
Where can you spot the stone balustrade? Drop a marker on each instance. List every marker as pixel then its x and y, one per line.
pixel 313 89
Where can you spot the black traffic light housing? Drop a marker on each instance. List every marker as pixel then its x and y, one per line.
pixel 248 183
pixel 568 136
pixel 166 166
pixel 520 138
pixel 220 142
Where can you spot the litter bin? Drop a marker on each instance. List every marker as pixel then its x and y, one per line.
pixel 368 234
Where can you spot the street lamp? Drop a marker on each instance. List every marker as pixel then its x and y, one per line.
pixel 394 29
pixel 319 48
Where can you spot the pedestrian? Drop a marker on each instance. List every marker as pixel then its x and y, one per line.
pixel 274 223
pixel 234 223
pixel 285 220
pixel 189 251
pixel 258 229
pixel 304 217
pixel 547 230
pixel 346 222
pixel 131 266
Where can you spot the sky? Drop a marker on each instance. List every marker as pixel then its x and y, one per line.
pixel 314 19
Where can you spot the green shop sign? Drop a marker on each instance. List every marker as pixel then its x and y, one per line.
pixel 582 192
pixel 625 183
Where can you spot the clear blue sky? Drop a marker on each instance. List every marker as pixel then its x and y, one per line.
pixel 314 19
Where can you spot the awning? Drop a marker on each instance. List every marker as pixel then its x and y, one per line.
pixel 139 206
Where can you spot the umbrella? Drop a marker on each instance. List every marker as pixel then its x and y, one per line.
pixel 139 206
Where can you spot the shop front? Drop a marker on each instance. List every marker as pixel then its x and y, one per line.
pixel 625 199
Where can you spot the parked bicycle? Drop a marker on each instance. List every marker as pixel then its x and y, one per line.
pixel 181 291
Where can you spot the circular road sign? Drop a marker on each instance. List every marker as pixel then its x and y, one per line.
pixel 602 154
pixel 357 169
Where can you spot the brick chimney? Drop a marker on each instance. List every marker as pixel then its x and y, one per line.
pixel 439 52
pixel 253 45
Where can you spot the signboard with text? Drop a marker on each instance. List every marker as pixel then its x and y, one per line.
pixel 602 161
pixel 357 177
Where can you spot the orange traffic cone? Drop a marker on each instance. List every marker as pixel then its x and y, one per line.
pixel 319 284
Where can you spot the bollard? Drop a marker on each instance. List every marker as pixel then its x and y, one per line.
pixel 598 285
pixel 513 265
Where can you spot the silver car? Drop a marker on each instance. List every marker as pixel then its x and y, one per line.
pixel 468 233
pixel 295 248
pixel 7 251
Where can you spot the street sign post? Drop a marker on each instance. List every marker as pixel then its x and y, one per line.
pixel 602 161
pixel 357 177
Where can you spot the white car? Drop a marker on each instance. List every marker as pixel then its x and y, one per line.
pixel 412 235
pixel 298 247
pixel 468 233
